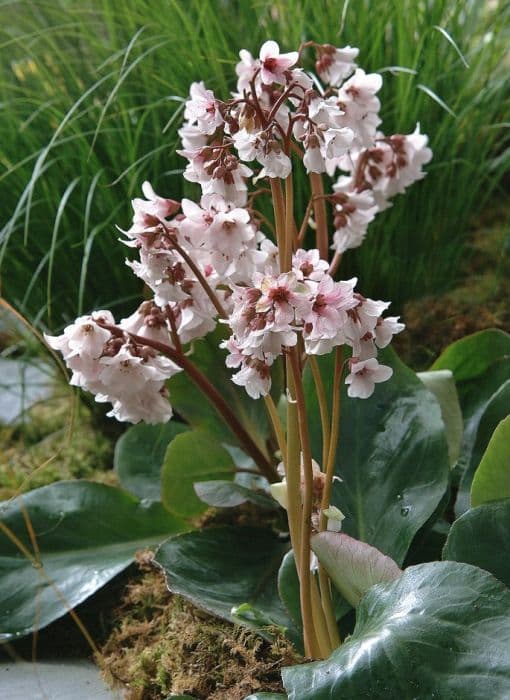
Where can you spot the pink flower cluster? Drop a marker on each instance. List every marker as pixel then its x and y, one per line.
pixel 129 375
pixel 277 103
pixel 268 316
pixel 209 260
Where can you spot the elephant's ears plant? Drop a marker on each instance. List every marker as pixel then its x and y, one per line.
pixel 236 287
pixel 210 263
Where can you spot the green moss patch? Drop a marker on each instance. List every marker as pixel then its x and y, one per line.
pixel 56 440
pixel 162 644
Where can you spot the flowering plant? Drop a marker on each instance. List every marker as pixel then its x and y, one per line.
pixel 222 264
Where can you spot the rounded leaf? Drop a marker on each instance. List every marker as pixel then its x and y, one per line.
pixel 224 567
pixel 139 455
pixel 470 357
pixel 492 478
pixel 85 534
pixel 482 537
pixel 191 457
pixel 442 630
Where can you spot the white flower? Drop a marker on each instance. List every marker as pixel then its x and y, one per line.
pixel 149 321
pixel 356 98
pixel 308 264
pixel 255 377
pixel 313 160
pixel 273 64
pixel 202 109
pixel 385 329
pixel 246 70
pixel 334 65
pixel 352 213
pixel 363 377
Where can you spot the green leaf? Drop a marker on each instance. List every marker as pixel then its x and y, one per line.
pixel 139 455
pixel 392 457
pixel 472 356
pixel 482 537
pixel 86 533
pixel 492 478
pixel 288 588
pixel 442 630
pixel 229 494
pixel 484 402
pixel 442 385
pixel 353 566
pixel 191 457
pixel 221 568
pixel 266 696
pixel 191 404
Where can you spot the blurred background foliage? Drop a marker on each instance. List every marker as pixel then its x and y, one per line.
pixel 91 97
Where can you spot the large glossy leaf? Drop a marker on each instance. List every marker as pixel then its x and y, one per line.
pixel 190 403
pixel 481 366
pixel 353 566
pixel 485 403
pixel 139 455
pixel 470 357
pixel 84 535
pixel 219 568
pixel 442 630
pixel 392 456
pixel 192 457
pixel 266 696
pixel 492 478
pixel 482 537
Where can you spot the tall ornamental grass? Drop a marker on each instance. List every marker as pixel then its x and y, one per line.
pixel 91 96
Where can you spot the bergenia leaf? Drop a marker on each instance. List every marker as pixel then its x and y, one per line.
pixel 441 630
pixel 482 537
pixel 79 535
pixel 492 478
pixel 139 455
pixel 192 457
pixel 470 357
pixel 353 566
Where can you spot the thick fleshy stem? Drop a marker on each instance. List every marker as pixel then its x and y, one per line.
pixel 294 509
pixel 314 622
pixel 214 396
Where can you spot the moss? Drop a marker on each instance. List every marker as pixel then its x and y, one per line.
pixel 57 440
pixel 163 644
